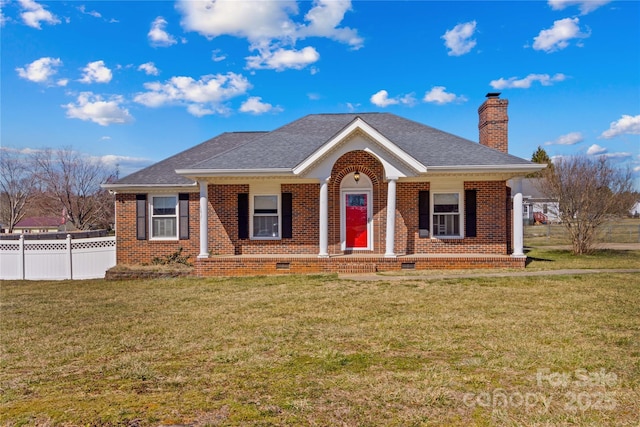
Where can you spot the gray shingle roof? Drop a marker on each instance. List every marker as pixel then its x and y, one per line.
pixel 163 172
pixel 289 145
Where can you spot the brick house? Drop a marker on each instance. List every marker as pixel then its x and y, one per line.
pixel 331 192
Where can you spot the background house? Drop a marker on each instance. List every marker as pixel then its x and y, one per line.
pixel 38 224
pixel 536 207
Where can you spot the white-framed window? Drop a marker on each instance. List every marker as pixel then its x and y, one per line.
pixel 265 216
pixel 446 215
pixel 164 217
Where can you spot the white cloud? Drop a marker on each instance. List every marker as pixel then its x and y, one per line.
pixel 255 105
pixel 269 28
pixel 91 107
pixel 41 70
pixel 458 40
pixel 83 9
pixel 201 97
pixel 3 18
pixel 324 19
pixel 199 110
pixel 33 14
pixel 626 125
pixel 252 20
pixel 117 160
pixel 62 82
pixel 571 138
pixel 281 59
pixel 352 107
pixel 124 165
pixel 96 72
pixel 585 6
pixel 595 150
pixel 381 99
pixel 619 155
pixel 217 56
pixel 439 95
pixel 525 83
pixel 558 36
pixel 149 68
pixel 158 36
pixel 559 158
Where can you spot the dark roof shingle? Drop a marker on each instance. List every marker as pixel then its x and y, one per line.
pixel 289 145
pixel 163 172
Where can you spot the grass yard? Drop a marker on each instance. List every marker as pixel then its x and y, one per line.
pixel 317 350
pixel 622 230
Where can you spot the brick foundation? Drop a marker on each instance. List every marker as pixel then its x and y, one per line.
pixel 266 265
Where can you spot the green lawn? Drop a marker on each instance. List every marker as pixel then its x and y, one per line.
pixel 317 350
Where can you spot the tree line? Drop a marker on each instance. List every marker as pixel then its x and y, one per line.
pixel 61 183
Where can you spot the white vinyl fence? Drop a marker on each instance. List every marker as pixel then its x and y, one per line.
pixel 57 259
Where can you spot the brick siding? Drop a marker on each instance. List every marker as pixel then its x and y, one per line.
pixel 493 224
pixel 129 250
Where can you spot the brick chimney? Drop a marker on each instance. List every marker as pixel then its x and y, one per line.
pixel 493 122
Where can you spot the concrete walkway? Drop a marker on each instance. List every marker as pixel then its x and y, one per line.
pixel 434 275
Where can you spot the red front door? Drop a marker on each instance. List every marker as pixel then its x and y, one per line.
pixel 356 221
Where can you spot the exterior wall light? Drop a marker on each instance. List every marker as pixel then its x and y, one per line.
pixel 356 176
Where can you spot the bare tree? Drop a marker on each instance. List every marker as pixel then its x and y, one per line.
pixel 589 192
pixel 73 181
pixel 17 186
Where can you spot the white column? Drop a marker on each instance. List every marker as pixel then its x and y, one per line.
pixel 204 229
pixel 518 240
pixel 324 218
pixel 391 218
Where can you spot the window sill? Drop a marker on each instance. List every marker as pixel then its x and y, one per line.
pixel 265 238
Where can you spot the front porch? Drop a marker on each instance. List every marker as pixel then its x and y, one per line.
pixel 250 265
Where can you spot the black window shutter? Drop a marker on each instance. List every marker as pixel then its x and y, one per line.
pixel 423 210
pixel 141 216
pixel 287 215
pixel 470 213
pixel 183 208
pixel 243 216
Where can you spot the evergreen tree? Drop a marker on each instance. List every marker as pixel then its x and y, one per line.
pixel 540 156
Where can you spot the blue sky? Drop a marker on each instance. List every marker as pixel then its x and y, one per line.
pixel 133 82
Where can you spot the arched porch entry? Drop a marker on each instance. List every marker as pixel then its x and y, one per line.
pixel 356 207
pixel 356 212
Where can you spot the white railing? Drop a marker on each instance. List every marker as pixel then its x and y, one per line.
pixel 56 259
